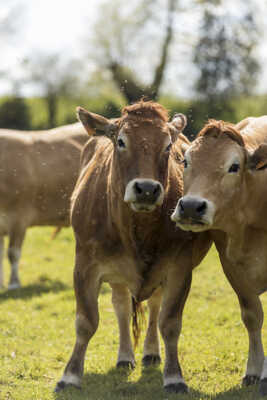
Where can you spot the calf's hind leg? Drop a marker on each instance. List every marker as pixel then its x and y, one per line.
pixel 86 285
pixel 16 238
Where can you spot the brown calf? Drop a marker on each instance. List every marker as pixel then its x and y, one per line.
pixel 225 191
pixel 124 236
pixel 38 171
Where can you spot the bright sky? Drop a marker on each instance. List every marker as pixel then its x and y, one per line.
pixel 49 25
pixel 59 25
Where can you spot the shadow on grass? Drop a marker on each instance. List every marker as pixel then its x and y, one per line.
pixel 115 385
pixel 36 289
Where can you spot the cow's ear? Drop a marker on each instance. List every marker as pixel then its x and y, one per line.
pixel 185 143
pixel 177 125
pixel 257 160
pixel 95 124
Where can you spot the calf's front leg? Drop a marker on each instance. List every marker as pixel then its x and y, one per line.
pixel 122 303
pixel 252 316
pixel 151 347
pixel 86 285
pixel 175 292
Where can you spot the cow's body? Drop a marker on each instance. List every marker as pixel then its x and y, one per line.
pixel 226 192
pixel 38 171
pixel 129 243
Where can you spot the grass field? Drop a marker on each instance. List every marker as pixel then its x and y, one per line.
pixel 37 334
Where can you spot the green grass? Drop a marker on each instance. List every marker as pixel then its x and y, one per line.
pixel 37 334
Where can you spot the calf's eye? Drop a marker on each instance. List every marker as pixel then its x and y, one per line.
pixel 121 144
pixel 234 167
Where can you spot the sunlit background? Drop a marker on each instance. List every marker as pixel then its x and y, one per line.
pixel 206 58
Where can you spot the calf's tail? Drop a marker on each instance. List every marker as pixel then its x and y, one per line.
pixel 138 320
pixel 55 232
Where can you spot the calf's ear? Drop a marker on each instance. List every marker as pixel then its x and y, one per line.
pixel 177 125
pixel 95 124
pixel 258 159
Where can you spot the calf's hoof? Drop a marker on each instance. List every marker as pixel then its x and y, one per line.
pixel 263 387
pixel 151 359
pixel 61 385
pixel 126 364
pixel 176 388
pixel 249 380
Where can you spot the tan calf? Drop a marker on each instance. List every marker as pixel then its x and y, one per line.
pixel 121 218
pixel 38 171
pixel 225 192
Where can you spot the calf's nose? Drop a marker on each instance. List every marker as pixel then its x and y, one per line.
pixel 191 207
pixel 147 191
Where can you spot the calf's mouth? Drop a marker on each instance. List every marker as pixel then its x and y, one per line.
pixel 144 195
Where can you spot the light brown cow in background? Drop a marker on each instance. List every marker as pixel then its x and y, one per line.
pixel 225 191
pixel 124 236
pixel 38 171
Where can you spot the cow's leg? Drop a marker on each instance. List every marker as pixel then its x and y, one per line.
pixel 252 316
pixel 16 238
pixel 151 346
pixel 1 261
pixel 175 292
pixel 86 285
pixel 122 303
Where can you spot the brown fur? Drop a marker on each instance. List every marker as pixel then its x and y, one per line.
pixel 38 173
pixel 237 203
pixel 139 254
pixel 218 128
pixel 146 110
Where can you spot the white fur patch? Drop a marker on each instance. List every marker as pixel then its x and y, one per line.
pixel 170 380
pixel 71 379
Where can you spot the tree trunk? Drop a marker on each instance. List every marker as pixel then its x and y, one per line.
pixel 126 83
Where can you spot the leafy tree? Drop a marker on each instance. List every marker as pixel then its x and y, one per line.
pixel 15 114
pixel 128 33
pixel 224 55
pixel 54 77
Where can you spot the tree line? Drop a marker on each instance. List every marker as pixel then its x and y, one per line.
pixel 141 50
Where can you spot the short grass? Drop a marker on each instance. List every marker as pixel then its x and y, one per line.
pixel 37 334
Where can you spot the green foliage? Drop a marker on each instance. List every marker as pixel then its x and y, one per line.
pixel 224 54
pixel 37 334
pixel 14 113
pixel 197 111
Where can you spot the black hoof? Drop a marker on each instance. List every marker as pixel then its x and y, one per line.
pixel 126 364
pixel 249 380
pixel 61 385
pixel 151 359
pixel 263 387
pixel 176 388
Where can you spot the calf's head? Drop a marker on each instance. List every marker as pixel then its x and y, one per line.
pixel 216 165
pixel 142 141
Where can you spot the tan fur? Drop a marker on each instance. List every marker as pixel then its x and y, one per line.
pixel 238 226
pixel 38 171
pixel 136 253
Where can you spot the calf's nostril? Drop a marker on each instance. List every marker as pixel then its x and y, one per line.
pixel 157 189
pixel 201 208
pixel 181 205
pixel 138 188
